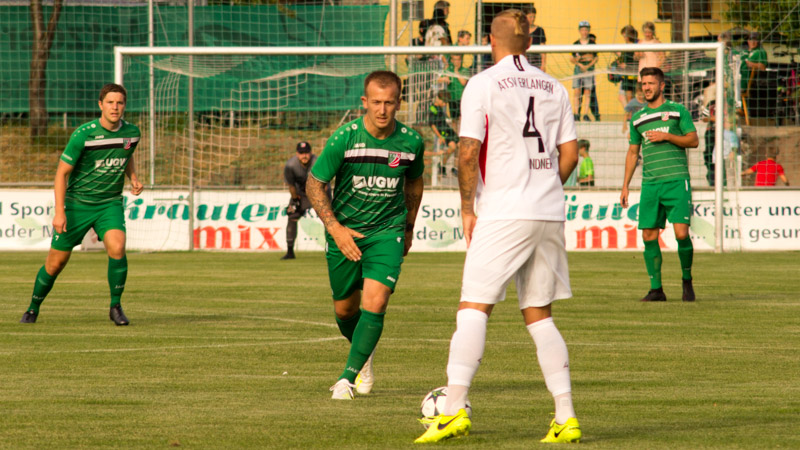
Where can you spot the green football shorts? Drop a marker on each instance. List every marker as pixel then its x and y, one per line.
pixel 381 258
pixel 81 217
pixel 660 202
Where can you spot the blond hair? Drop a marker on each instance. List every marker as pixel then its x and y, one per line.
pixel 510 29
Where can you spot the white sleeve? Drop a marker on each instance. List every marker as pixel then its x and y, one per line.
pixel 434 36
pixel 473 109
pixel 566 128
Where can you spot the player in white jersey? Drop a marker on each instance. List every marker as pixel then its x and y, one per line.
pixel 518 146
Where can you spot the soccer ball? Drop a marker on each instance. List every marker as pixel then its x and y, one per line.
pixel 433 404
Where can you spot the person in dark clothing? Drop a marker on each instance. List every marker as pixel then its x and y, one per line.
pixel 296 173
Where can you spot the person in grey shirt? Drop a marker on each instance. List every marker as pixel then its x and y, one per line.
pixel 296 173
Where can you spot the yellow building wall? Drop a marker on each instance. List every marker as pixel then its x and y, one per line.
pixel 560 18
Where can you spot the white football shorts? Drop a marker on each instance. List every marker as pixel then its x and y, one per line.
pixel 533 252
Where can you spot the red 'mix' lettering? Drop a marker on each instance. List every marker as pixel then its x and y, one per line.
pixel 211 237
pixel 269 238
pixel 597 237
pixel 244 237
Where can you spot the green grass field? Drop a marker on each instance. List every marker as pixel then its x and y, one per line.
pixel 239 350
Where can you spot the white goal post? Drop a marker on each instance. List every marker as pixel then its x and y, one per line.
pixel 391 54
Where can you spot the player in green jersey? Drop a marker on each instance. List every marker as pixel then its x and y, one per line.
pixel 663 130
pixel 88 194
pixel 378 165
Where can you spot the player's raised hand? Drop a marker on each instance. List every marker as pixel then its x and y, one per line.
pixel 344 240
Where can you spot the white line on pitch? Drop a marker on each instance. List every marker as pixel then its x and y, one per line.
pixel 277 319
pixel 187 347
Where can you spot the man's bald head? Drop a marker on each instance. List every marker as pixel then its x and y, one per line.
pixel 510 31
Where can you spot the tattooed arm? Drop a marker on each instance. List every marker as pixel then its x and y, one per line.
pixel 316 192
pixel 413 194
pixel 468 154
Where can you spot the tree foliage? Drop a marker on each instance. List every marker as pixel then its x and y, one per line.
pixel 777 16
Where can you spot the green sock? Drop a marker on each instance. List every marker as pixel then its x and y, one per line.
pixel 652 260
pixel 365 338
pixel 348 326
pixel 686 255
pixel 117 274
pixel 41 287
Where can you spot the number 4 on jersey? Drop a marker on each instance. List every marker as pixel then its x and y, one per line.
pixel 530 126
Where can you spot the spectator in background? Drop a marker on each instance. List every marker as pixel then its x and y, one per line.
pixel 419 41
pixel 586 166
pixel 484 60
pixel 767 172
pixel 583 80
pixel 626 63
pixel 537 38
pixel 456 78
pixel 632 107
pixel 708 115
pixel 438 32
pixel 438 120
pixel 754 59
pixel 649 59
pixel 464 39
pixel 438 35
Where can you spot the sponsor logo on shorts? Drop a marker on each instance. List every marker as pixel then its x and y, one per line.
pixel 392 279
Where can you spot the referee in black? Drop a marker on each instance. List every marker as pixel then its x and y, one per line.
pixel 296 173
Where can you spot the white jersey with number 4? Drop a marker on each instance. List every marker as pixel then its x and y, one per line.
pixel 520 114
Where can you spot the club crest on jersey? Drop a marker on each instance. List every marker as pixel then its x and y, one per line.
pixel 127 143
pixel 394 159
pixel 664 116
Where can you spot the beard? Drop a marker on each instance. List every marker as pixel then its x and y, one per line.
pixel 655 95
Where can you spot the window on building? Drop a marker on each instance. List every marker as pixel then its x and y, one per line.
pixel 698 9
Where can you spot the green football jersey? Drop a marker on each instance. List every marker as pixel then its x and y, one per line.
pixel 370 175
pixel 756 55
pixel 662 161
pixel 99 158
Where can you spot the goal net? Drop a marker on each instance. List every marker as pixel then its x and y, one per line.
pixel 214 119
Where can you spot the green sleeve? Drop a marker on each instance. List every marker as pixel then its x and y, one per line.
pixel 331 159
pixel 589 167
pixel 417 168
pixel 759 56
pixel 72 153
pixel 636 137
pixel 686 123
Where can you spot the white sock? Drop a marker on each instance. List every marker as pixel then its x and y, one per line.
pixel 466 351
pixel 551 350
